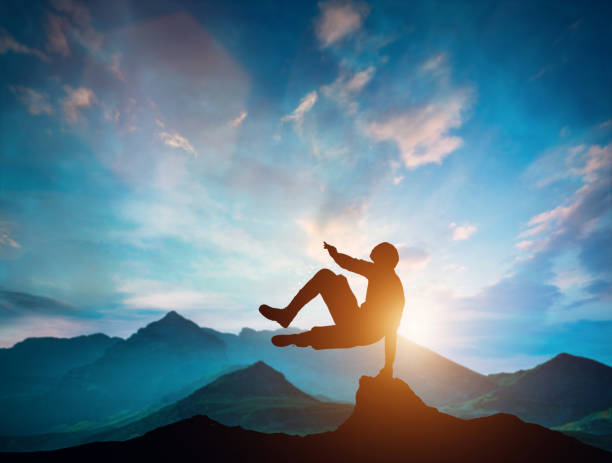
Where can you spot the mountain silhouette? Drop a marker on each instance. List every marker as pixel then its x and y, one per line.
pixel 333 373
pixel 257 397
pixel 34 364
pixel 594 423
pixel 258 380
pixel 124 380
pixel 128 378
pixel 389 423
pixel 171 333
pixel 563 389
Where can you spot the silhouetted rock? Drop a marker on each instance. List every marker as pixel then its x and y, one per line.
pixel 389 423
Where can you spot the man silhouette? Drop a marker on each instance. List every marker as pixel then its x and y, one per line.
pixel 378 316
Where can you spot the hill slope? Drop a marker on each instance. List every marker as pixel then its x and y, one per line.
pixel 389 423
pixel 333 373
pixel 132 375
pixel 594 423
pixel 32 365
pixel 564 389
pixel 257 397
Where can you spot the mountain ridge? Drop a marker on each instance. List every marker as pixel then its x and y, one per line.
pixel 389 423
pixel 563 389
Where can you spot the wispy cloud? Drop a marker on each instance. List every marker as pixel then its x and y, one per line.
pixel 5 237
pixel 462 232
pixel 160 295
pixel 174 139
pixel 114 66
pixel 239 120
pixel 339 20
pixel 9 43
pixel 593 165
pixel 72 21
pixel 36 102
pixel 413 257
pixel 306 104
pixel 437 66
pixel 78 12
pixel 75 100
pixel 605 124
pixel 19 304
pixel 343 225
pixel 56 37
pixel 347 86
pixel 421 134
pixel 540 73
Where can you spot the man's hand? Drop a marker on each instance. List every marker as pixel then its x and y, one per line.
pixel 331 249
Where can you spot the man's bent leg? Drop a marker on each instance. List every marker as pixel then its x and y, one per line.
pixel 333 288
pixel 340 301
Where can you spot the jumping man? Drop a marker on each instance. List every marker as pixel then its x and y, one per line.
pixel 378 316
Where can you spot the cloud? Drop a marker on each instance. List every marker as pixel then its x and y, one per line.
pixel 15 304
pixel 421 134
pixel 347 86
pixel 593 166
pixel 114 66
pixel 462 232
pixel 413 257
pixel 540 73
pixel 343 225
pixel 306 104
pixel 57 42
pixel 437 66
pixel 74 22
pixel 75 100
pixel 176 140
pixel 43 326
pixel 113 115
pixel 80 26
pixel 524 244
pixel 555 165
pixel 239 120
pixel 9 43
pixel 605 124
pixel 338 20
pixel 36 102
pixel 5 237
pixel 78 13
pixel 160 295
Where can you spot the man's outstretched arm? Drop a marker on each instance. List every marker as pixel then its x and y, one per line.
pixel 349 263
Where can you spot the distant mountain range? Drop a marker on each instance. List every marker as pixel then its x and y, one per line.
pixel 170 358
pixel 564 389
pixel 257 397
pixel 594 423
pixel 389 423
pixel 35 364
pixel 125 378
pixel 90 385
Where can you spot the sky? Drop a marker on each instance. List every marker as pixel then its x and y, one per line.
pixel 193 156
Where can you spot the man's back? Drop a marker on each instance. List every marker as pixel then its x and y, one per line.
pixel 384 300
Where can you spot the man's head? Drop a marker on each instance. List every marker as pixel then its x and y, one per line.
pixel 385 254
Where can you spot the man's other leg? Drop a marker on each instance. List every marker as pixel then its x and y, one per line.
pixel 335 291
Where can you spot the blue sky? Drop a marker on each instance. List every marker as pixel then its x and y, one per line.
pixel 193 156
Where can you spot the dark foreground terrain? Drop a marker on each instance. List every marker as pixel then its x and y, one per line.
pixel 389 423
